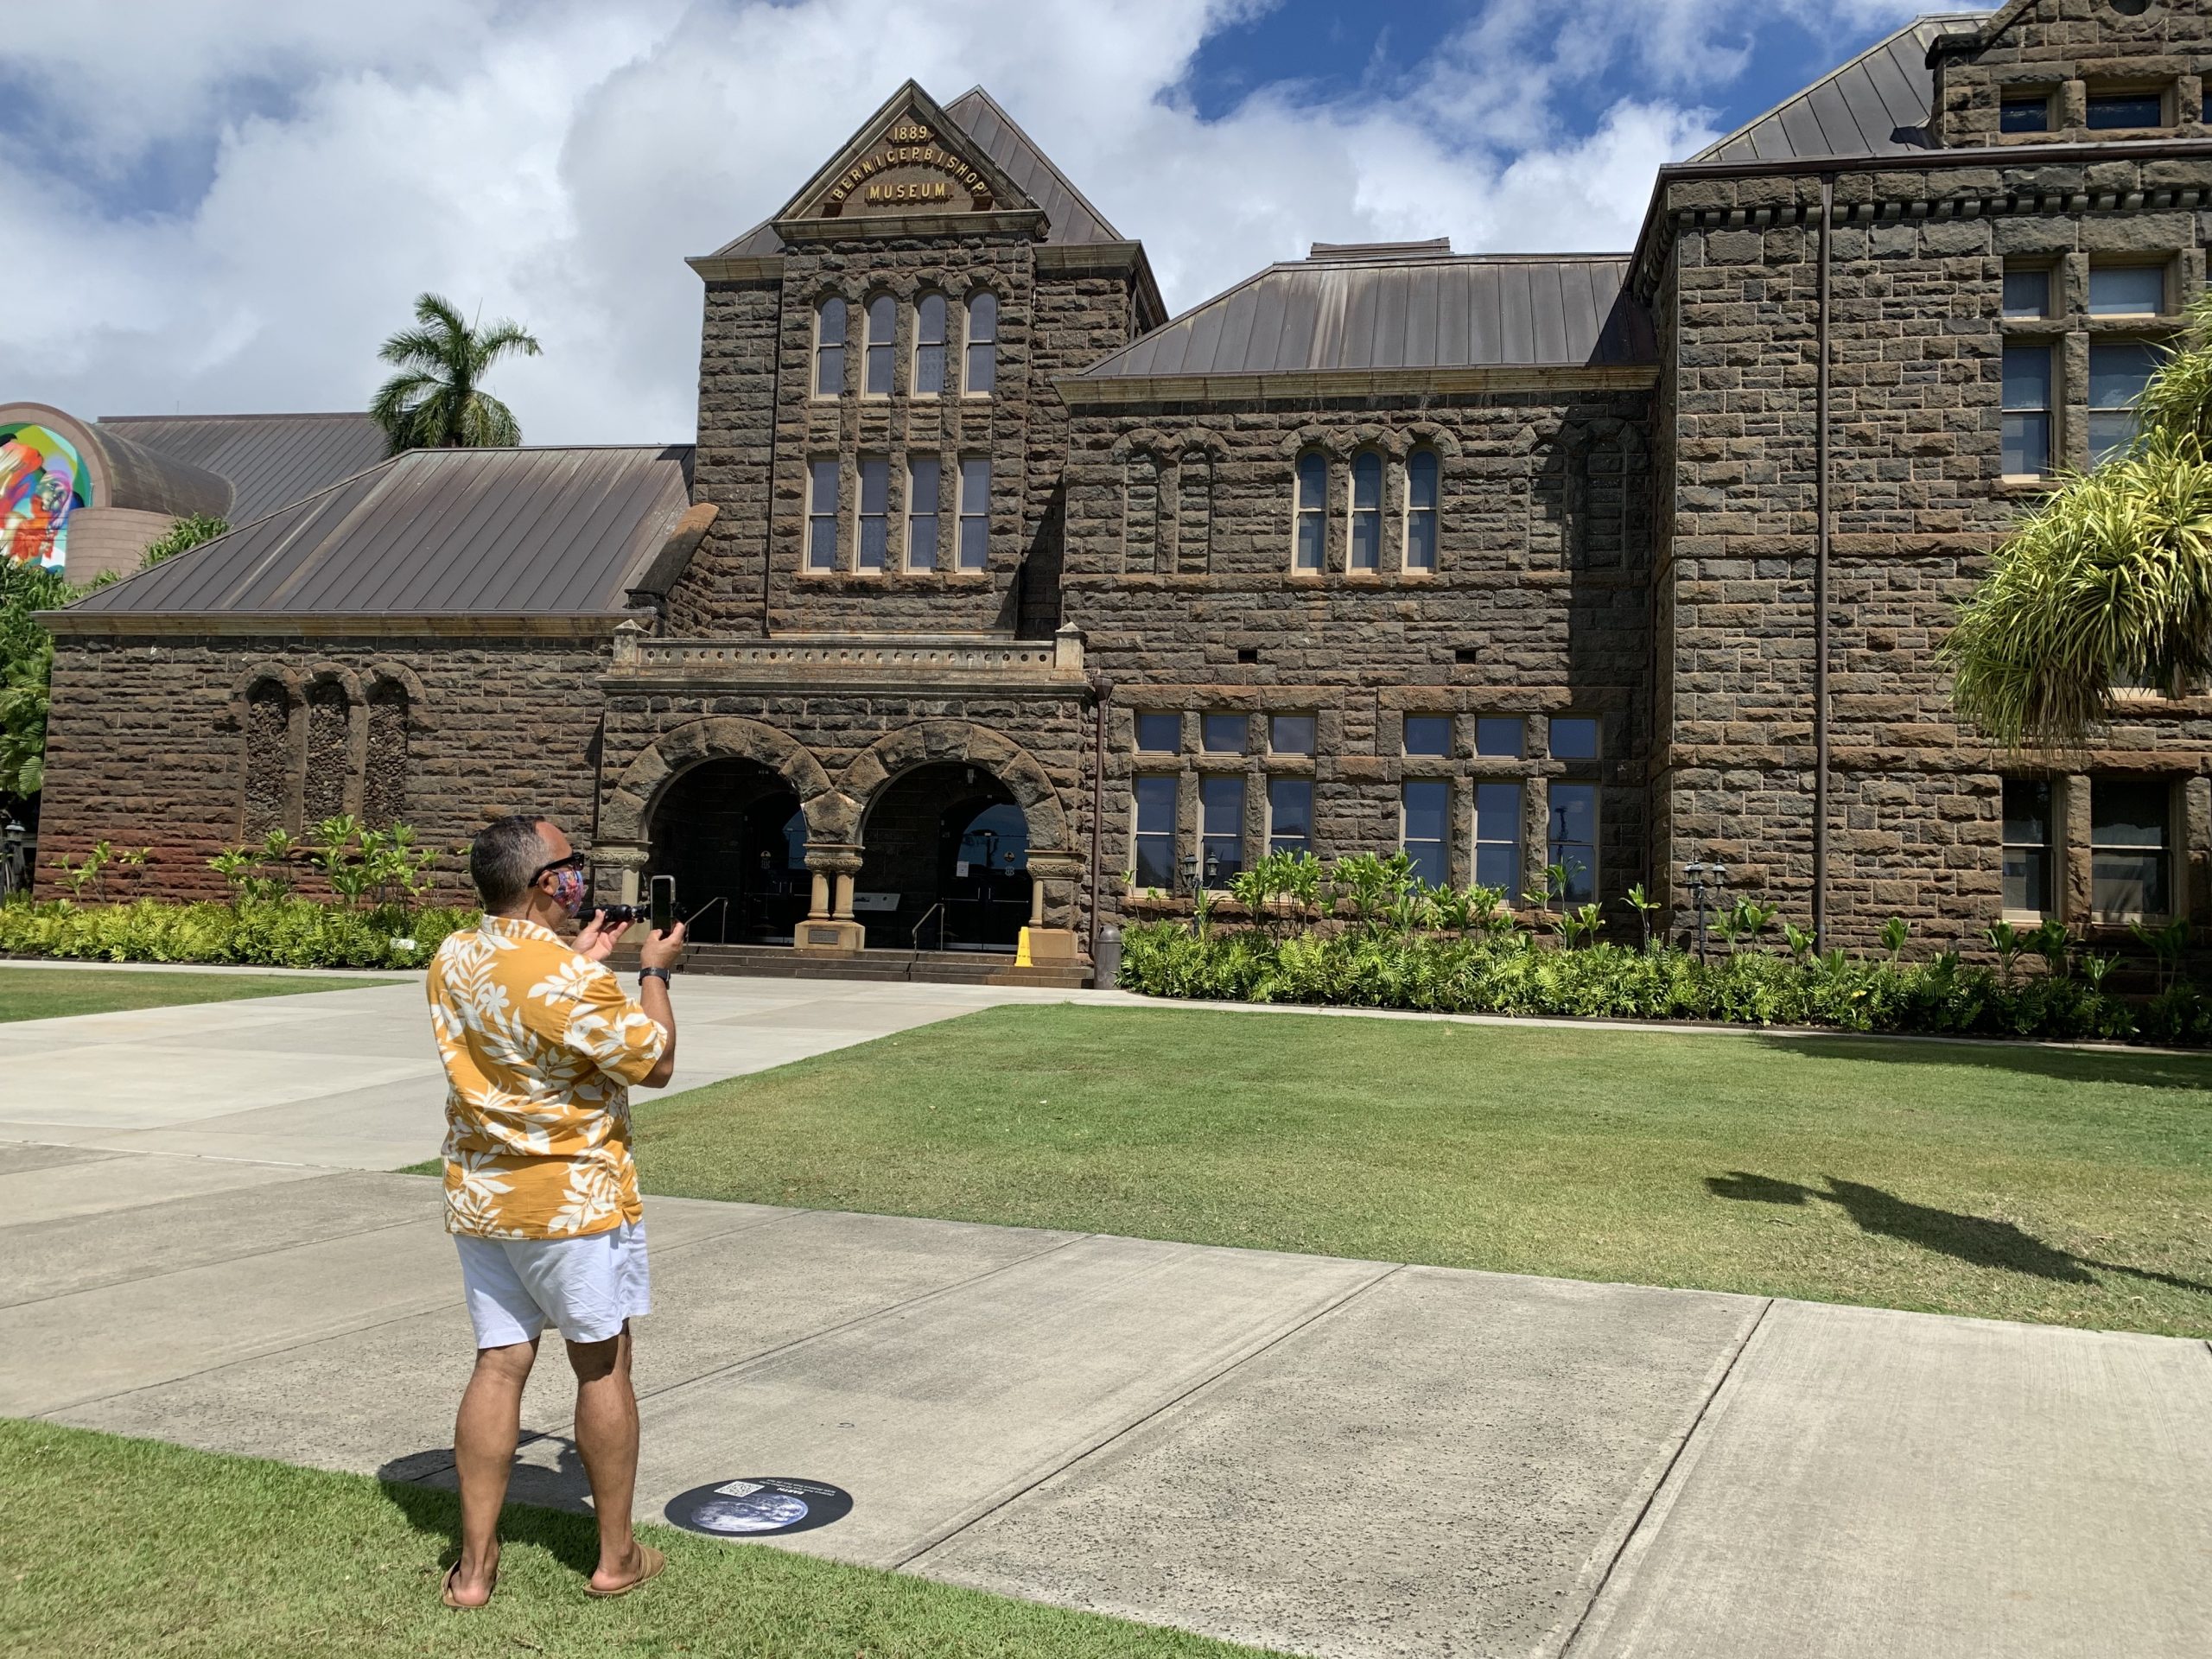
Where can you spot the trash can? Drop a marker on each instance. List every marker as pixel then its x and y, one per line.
pixel 1106 962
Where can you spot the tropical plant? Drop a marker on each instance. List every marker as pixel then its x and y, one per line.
pixel 1645 907
pixel 2168 944
pixel 2106 583
pixel 2007 942
pixel 436 400
pixel 26 669
pixel 1799 940
pixel 183 537
pixel 1895 933
pixel 2053 943
pixel 88 871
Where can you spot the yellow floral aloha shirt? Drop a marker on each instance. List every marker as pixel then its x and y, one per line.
pixel 540 1047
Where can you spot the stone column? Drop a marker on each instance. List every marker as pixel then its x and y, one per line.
pixel 844 910
pixel 624 860
pixel 830 929
pixel 817 908
pixel 1050 874
pixel 1036 902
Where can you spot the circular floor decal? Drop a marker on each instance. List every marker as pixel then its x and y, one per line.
pixel 759 1506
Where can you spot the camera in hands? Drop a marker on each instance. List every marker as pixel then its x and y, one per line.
pixel 658 913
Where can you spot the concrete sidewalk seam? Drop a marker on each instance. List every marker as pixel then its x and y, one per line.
pixel 170 1273
pixel 1029 1483
pixel 1658 1503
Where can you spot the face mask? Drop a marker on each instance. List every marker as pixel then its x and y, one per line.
pixel 569 892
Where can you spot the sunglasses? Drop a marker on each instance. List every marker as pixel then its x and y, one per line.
pixel 573 862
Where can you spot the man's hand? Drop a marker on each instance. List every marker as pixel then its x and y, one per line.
pixel 594 941
pixel 660 950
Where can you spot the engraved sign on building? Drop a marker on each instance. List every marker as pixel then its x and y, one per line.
pixel 908 171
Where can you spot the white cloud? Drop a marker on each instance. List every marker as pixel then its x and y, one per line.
pixel 557 161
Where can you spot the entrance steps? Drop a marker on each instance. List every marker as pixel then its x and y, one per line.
pixel 909 967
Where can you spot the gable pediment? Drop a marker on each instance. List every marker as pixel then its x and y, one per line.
pixel 909 157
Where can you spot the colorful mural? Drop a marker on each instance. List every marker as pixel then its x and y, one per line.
pixel 42 482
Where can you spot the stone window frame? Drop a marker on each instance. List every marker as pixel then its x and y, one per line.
pixel 358 689
pixel 935 515
pixel 1317 513
pixel 969 340
pixel 834 517
pixel 1268 834
pixel 818 347
pixel 862 461
pixel 922 297
pixel 2053 846
pixel 870 346
pixel 2068 96
pixel 1423 450
pixel 962 515
pixel 1445 851
pixel 2172 849
pixel 1338 447
pixel 2069 330
pixel 1353 510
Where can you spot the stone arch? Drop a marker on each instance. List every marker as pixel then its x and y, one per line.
pixel 954 740
pixel 391 721
pixel 268 709
pixel 627 812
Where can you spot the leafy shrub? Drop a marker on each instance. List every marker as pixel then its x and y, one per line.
pixel 277 932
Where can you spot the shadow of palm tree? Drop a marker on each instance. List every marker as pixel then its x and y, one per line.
pixel 1973 1239
pixel 2187 1073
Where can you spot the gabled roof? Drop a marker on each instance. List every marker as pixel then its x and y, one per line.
pixel 1876 105
pixel 1426 311
pixel 432 533
pixel 979 117
pixel 272 460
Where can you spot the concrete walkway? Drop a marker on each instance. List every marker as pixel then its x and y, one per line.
pixel 1327 1457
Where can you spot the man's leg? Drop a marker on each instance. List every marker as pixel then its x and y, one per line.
pixel 607 1435
pixel 483 1439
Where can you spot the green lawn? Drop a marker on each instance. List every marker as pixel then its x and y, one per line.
pixel 132 1547
pixel 50 993
pixel 2069 1188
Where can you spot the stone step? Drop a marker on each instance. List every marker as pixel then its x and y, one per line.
pixel 910 967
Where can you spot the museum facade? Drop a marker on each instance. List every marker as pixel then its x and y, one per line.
pixel 992 598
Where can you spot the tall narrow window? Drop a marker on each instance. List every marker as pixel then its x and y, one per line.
pixel 1141 514
pixel 268 756
pixel 2027 845
pixel 922 484
pixel 1498 837
pixel 328 763
pixel 830 348
pixel 1194 512
pixel 974 513
pixel 821 516
pixel 882 333
pixel 929 346
pixel 1312 512
pixel 1422 473
pixel 2026 443
pixel 874 539
pixel 1425 817
pixel 1154 864
pixel 1221 829
pixel 384 777
pixel 2119 369
pixel 982 377
pixel 1573 834
pixel 1290 815
pixel 1366 538
pixel 2129 832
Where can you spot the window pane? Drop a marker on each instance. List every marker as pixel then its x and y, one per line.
pixel 830 357
pixel 975 514
pixel 833 321
pixel 1155 806
pixel 2127 290
pixel 929 345
pixel 1312 481
pixel 1421 479
pixel 1224 733
pixel 1290 815
pixel 1367 511
pixel 1291 734
pixel 1574 738
pixel 2027 811
pixel 2109 110
pixel 982 338
pixel 1498 837
pixel 1498 737
pixel 1421 541
pixel 2026 446
pixel 1309 541
pixel 882 321
pixel 1429 808
pixel 1572 833
pixel 2027 879
pixel 1221 820
pixel 2027 293
pixel 876 505
pixel 1161 733
pixel 923 482
pixel 1366 481
pixel 1428 734
pixel 2024 114
pixel 2128 814
pixel 2125 884
pixel 821 517
pixel 2119 369
pixel 2027 377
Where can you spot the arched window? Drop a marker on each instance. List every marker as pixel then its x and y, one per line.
pixel 1423 476
pixel 830 348
pixel 982 377
pixel 384 777
pixel 1365 543
pixel 268 758
pixel 882 330
pixel 328 771
pixel 1194 512
pixel 929 346
pixel 1309 540
pixel 1141 514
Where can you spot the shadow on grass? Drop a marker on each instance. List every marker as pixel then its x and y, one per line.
pixel 544 1507
pixel 2060 1065
pixel 1976 1240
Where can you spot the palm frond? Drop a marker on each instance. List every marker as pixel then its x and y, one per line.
pixel 436 401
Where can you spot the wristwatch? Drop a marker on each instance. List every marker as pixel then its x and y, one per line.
pixel 660 974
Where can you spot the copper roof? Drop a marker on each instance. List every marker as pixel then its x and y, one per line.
pixel 272 460
pixel 456 533
pixel 1876 105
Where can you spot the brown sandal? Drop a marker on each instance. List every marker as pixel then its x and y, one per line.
pixel 445 1595
pixel 654 1561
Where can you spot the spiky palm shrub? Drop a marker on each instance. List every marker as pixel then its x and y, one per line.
pixel 437 401
pixel 2107 583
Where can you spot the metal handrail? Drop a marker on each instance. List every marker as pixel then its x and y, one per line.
pixel 914 942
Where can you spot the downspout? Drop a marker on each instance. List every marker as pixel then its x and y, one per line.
pixel 1821 508
pixel 1103 690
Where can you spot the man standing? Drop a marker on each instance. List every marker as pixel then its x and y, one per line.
pixel 540 1047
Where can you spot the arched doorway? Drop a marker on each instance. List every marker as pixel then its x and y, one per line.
pixel 731 829
pixel 945 862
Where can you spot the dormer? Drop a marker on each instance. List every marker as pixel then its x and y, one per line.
pixel 2039 72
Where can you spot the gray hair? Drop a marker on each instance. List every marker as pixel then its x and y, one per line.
pixel 505 855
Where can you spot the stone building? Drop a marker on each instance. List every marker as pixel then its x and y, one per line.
pixel 993 597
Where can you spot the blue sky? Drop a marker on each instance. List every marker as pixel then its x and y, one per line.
pixel 234 202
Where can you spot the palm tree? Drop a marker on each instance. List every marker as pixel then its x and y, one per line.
pixel 2106 584
pixel 436 401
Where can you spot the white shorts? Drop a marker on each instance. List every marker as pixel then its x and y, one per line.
pixel 584 1288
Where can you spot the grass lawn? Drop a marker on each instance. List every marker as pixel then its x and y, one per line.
pixel 2010 1183
pixel 50 993
pixel 131 1547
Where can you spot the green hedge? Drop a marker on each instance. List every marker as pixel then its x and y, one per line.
pixel 274 933
pixel 1514 974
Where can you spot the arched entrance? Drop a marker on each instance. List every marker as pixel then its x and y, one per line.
pixel 731 829
pixel 946 862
